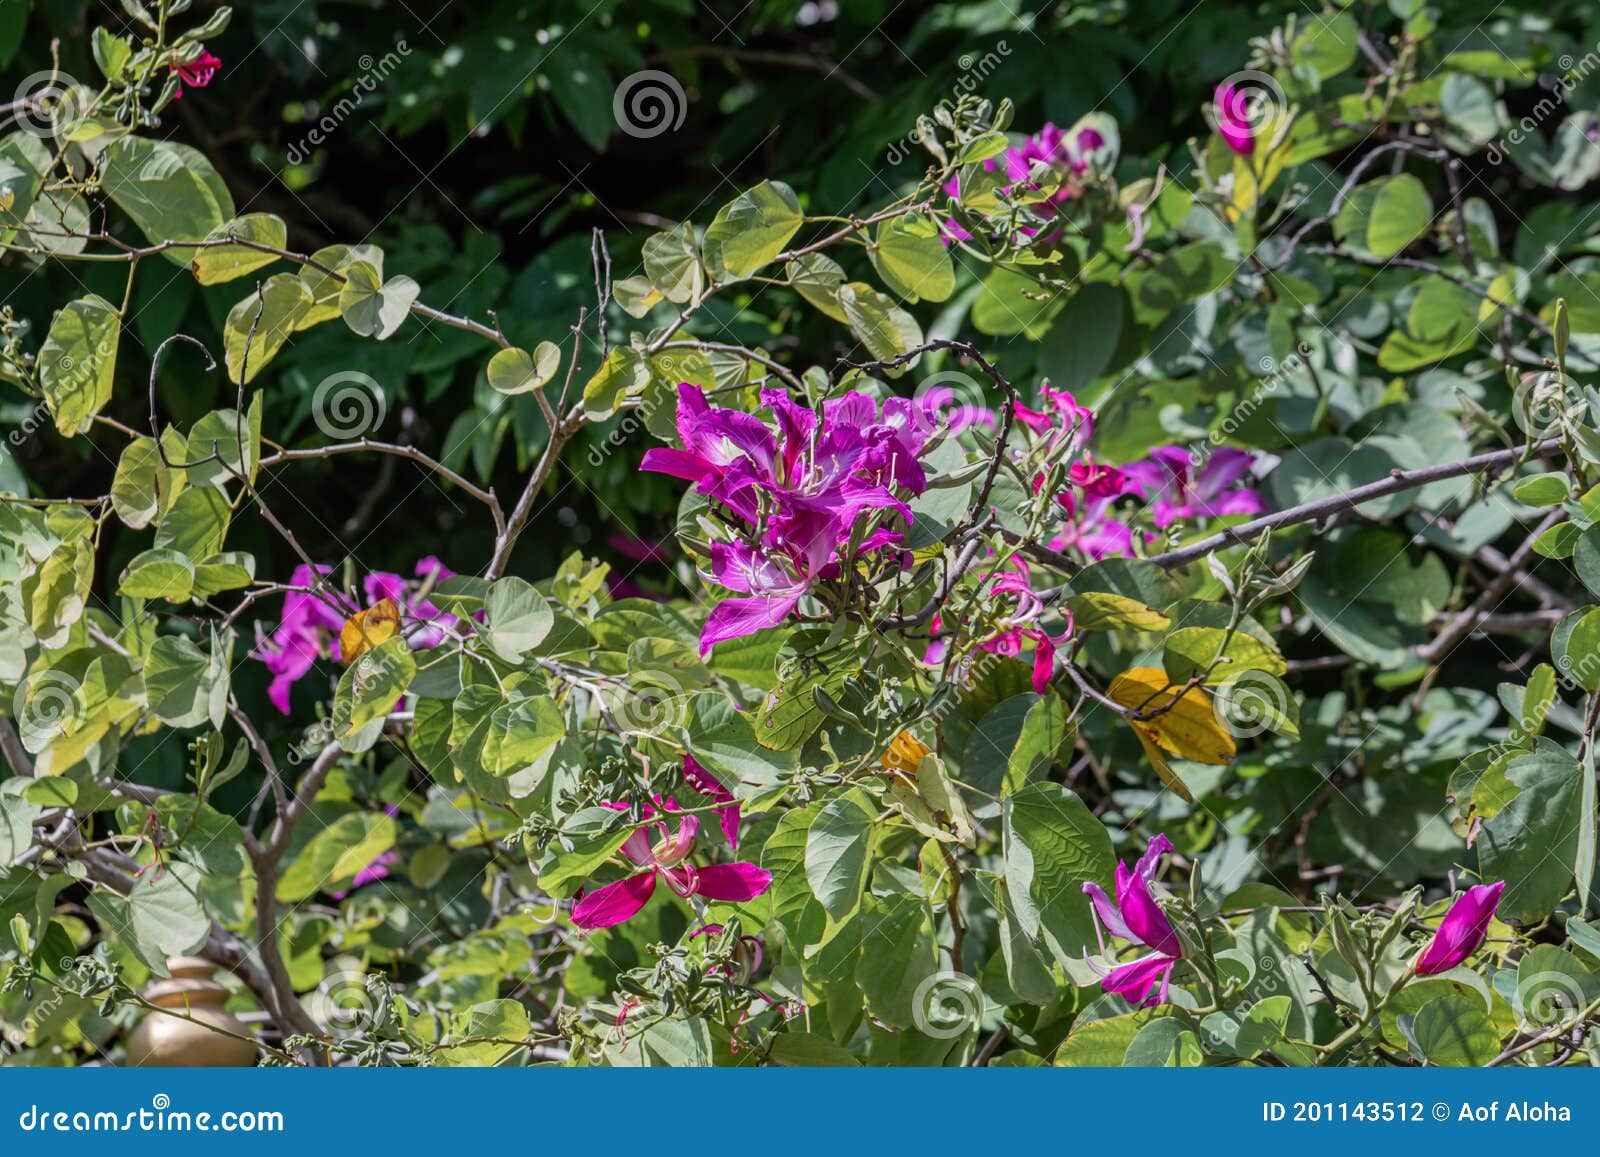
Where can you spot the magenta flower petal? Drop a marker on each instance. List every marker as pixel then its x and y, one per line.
pixel 1143 915
pixel 1134 980
pixel 1462 930
pixel 614 903
pixel 1232 110
pixel 1107 911
pixel 678 463
pixel 734 618
pixel 735 883
pixel 707 785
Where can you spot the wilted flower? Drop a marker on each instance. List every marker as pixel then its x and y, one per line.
pixel 1462 930
pixel 1138 919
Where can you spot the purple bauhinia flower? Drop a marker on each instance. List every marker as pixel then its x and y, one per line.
pixel 1167 478
pixel 1462 930
pixel 1232 109
pixel 667 858
pixel 800 490
pixel 1138 919
pixel 308 628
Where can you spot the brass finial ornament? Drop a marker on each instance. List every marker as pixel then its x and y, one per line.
pixel 178 1041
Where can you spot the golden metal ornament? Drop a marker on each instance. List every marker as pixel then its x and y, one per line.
pixel 177 1041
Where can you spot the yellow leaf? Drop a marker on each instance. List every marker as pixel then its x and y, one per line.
pixel 1158 760
pixel 904 754
pixel 364 630
pixel 1185 722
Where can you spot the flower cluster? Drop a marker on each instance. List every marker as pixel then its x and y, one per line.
pixel 1052 159
pixel 799 490
pixel 1168 480
pixel 308 629
pixel 667 858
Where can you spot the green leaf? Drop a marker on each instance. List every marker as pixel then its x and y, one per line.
pixel 1382 217
pixel 1011 302
pixel 158 574
pixel 1586 557
pixel 142 484
pixel 170 190
pixel 1469 107
pixel 1097 611
pixel 186 687
pixel 1185 274
pixel 215 436
pixel 229 571
pixel 1052 844
pixel 567 871
pixel 218 263
pixel 375 308
pixel 1083 339
pixel 752 229
pixel 800 1050
pixel 519 618
pixel 896 973
pixel 625 373
pixel 1194 649
pixel 273 313
pixel 17 814
pixel 1575 647
pixel 1542 489
pixel 373 683
pixel 1455 1031
pixel 77 361
pixel 333 856
pixel 1531 842
pixel 883 327
pixel 818 278
pixel 516 371
pixel 912 259
pixel 837 848
pixel 582 88
pixel 1328 45
pixel 322 277
pixel 794 908
pixel 197 523
pixel 1103 1043
pixel 672 264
